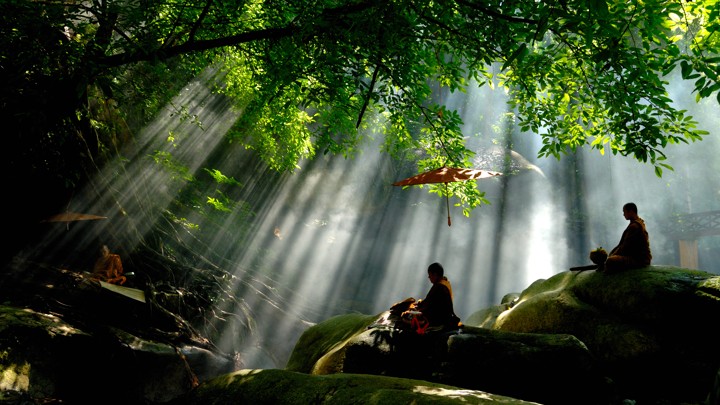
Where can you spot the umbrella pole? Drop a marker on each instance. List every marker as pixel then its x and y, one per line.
pixel 447 201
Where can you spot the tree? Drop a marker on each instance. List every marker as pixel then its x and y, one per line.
pixel 309 75
pixel 80 78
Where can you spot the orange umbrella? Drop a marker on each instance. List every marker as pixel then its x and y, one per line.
pixel 446 175
pixel 72 217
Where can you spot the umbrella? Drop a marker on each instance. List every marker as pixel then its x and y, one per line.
pixel 68 217
pixel 72 217
pixel 446 175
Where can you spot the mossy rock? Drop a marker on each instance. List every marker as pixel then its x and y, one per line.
pixel 271 386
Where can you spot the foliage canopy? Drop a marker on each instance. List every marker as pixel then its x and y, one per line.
pixel 309 77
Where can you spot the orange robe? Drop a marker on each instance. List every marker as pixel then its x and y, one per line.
pixel 109 269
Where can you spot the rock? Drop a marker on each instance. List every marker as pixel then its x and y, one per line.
pixel 533 367
pixel 292 388
pixel 46 359
pixel 653 329
pixel 323 340
pixel 547 368
pixel 644 335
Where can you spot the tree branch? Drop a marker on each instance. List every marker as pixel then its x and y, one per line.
pixel 195 46
pixel 367 97
pixel 495 14
pixel 196 26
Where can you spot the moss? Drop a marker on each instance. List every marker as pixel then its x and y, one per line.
pixel 323 337
pixel 286 387
pixel 710 288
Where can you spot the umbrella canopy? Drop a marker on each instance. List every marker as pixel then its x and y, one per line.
pixel 72 217
pixel 446 175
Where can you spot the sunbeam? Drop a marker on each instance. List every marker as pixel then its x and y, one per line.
pixel 337 237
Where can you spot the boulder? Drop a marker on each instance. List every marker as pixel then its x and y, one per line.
pixel 534 367
pixel 274 386
pixel 587 337
pixel 653 330
pixel 45 359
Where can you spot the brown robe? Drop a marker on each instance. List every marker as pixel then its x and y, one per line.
pixel 633 251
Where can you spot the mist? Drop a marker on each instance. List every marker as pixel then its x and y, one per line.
pixel 336 237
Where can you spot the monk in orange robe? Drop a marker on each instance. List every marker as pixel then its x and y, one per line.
pixel 108 268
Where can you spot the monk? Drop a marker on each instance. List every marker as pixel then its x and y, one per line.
pixel 633 251
pixel 437 307
pixel 108 268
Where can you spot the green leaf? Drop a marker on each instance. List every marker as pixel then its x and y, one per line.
pixel 685 69
pixel 518 54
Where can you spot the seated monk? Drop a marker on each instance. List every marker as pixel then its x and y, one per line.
pixel 633 251
pixel 435 312
pixel 108 268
